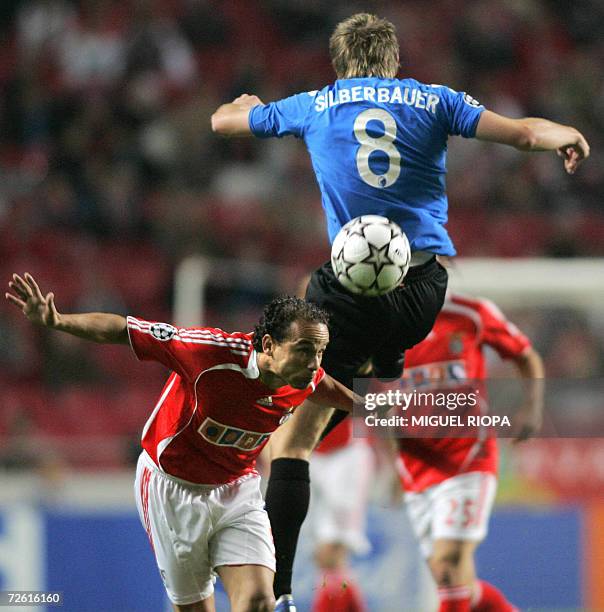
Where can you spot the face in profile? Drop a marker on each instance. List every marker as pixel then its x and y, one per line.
pixel 297 358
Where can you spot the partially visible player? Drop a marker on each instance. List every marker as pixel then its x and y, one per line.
pixel 340 471
pixel 450 483
pixel 378 146
pixel 197 489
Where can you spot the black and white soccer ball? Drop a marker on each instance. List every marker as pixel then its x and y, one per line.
pixel 370 255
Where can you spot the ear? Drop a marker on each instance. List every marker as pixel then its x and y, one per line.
pixel 267 345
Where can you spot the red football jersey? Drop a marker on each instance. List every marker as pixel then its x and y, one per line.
pixel 454 348
pixel 214 414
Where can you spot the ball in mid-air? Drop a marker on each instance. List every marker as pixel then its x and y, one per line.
pixel 370 255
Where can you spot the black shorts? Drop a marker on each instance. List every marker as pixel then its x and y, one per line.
pixel 381 328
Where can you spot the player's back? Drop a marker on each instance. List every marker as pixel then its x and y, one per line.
pixel 379 147
pixel 372 134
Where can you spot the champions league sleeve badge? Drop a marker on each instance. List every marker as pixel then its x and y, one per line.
pixel 468 99
pixel 162 331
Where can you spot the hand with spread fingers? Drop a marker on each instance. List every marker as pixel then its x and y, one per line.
pixel 39 309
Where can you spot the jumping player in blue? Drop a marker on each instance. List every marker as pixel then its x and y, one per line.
pixel 378 146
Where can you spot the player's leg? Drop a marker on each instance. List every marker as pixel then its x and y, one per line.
pixel 338 514
pixel 177 523
pixel 241 549
pixel 487 598
pixel 288 491
pixel 461 510
pixel 249 587
pixel 423 511
pixel 207 605
pixel 452 567
pixel 411 311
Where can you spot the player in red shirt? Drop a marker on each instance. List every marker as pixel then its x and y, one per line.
pixel 450 483
pixel 197 488
pixel 340 476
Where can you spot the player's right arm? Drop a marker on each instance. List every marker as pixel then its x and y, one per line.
pixel 41 310
pixel 249 115
pixel 333 394
pixel 232 119
pixel 185 351
pixel 535 134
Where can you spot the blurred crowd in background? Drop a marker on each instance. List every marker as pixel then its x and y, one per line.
pixel 110 174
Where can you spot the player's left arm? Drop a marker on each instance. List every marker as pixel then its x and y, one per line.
pixel 332 394
pixel 512 345
pixel 232 119
pixel 529 419
pixel 535 134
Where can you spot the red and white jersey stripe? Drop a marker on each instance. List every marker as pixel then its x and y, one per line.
pixel 214 415
pixel 455 346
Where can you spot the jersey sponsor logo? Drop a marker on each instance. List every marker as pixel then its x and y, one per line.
pixel 162 331
pixel 435 374
pixel 223 435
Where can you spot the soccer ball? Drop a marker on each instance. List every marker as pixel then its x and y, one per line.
pixel 370 255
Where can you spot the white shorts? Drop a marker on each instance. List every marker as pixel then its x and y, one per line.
pixel 339 483
pixel 456 509
pixel 194 529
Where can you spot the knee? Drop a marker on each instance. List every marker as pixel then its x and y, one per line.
pixel 446 567
pixel 257 601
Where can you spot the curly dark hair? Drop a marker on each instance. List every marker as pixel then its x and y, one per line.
pixel 281 313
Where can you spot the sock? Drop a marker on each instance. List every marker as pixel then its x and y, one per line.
pixel 286 501
pixel 336 591
pixel 488 598
pixel 454 599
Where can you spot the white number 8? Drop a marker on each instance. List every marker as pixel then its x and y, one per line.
pixel 384 143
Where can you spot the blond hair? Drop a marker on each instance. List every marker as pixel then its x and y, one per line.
pixel 364 45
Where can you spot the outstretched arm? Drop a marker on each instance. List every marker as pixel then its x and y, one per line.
pixel 535 134
pixel 41 310
pixel 232 119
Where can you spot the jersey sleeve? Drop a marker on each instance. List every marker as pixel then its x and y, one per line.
pixel 186 351
pixel 281 118
pixel 500 334
pixel 319 376
pixel 461 112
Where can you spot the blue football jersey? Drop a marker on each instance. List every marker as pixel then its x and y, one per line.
pixel 378 146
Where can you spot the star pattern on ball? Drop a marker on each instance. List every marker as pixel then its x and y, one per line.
pixel 378 256
pixel 357 229
pixel 373 265
pixel 341 263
